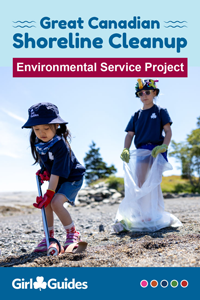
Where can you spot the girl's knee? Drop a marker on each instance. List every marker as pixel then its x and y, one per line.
pixel 57 201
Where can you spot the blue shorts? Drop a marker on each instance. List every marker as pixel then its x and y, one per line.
pixel 70 190
pixel 150 147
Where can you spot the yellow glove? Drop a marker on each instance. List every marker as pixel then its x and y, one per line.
pixel 159 149
pixel 125 156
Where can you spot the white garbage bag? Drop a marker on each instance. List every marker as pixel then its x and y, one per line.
pixel 142 209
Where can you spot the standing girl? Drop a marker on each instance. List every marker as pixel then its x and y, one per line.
pixel 143 206
pixel 50 148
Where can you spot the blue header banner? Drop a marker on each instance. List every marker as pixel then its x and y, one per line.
pixel 108 29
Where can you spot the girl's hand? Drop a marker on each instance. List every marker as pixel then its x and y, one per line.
pixel 45 176
pixel 45 200
pixel 159 149
pixel 125 156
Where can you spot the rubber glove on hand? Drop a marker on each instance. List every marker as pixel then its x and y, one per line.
pixel 125 156
pixel 159 149
pixel 45 200
pixel 45 176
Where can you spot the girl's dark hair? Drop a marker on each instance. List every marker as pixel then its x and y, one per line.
pixel 61 131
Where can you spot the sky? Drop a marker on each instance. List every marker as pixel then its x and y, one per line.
pixel 97 109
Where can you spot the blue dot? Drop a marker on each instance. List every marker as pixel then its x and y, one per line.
pixel 164 283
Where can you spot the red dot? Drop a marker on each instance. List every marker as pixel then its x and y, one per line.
pixel 184 283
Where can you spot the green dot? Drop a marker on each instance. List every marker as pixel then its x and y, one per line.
pixel 174 283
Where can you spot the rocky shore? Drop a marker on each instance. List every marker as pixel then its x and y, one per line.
pixel 21 230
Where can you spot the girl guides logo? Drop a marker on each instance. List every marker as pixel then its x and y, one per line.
pixel 40 284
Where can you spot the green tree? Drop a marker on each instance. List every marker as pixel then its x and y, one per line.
pixel 189 154
pixel 96 168
pixel 198 122
pixel 194 154
pixel 180 152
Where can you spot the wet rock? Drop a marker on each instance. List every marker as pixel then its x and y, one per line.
pixel 106 193
pixel 23 250
pixel 101 228
pixel 168 196
pixel 98 198
pixel 184 195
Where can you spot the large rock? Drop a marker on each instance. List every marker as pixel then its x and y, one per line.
pixel 185 195
pixel 82 198
pixel 113 191
pixel 98 193
pixel 116 195
pixel 98 198
pixel 83 193
pixel 106 193
pixel 168 196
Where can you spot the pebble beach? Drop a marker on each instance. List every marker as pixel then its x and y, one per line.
pixel 21 230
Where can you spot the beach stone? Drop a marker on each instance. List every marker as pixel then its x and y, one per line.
pixel 106 201
pixel 90 200
pixel 87 188
pixel 186 195
pixel 99 192
pixel 168 196
pixel 83 204
pixel 82 194
pixel 112 191
pixel 101 228
pixel 82 199
pixel 106 193
pixel 116 195
pixel 96 186
pixel 91 192
pixel 98 198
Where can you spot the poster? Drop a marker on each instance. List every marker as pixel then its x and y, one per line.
pixel 104 47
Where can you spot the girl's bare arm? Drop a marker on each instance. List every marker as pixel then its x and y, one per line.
pixel 128 139
pixel 53 182
pixel 168 134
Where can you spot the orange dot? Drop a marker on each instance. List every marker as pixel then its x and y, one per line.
pixel 154 283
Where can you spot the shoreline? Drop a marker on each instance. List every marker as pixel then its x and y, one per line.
pixel 168 247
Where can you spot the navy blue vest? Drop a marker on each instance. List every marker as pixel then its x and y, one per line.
pixel 148 125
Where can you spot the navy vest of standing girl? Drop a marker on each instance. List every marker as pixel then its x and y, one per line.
pixel 148 127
